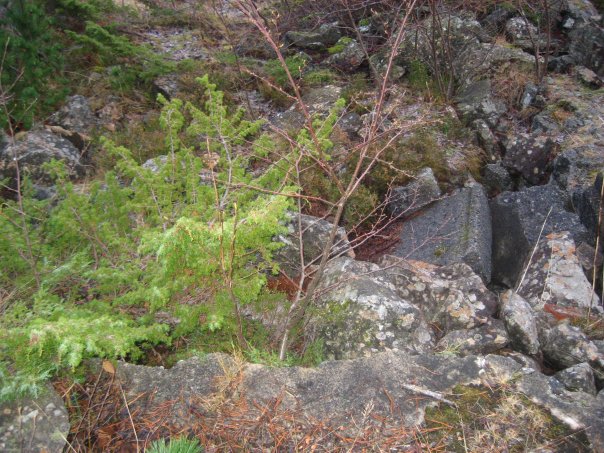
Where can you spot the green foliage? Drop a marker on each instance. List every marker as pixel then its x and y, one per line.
pixel 128 63
pixel 319 77
pixel 295 64
pixel 340 45
pixel 32 63
pixel 419 76
pixel 178 445
pixel 163 238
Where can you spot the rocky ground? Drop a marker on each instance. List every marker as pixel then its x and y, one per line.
pixel 473 322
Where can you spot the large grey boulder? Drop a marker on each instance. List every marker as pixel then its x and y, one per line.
pixel 407 200
pixel 452 297
pixel 390 390
pixel 476 102
pixel 76 115
pixel 34 425
pixel 520 323
pixel 555 277
pixel 34 150
pixel 529 156
pixel 565 346
pixel 310 233
pixel 453 230
pixel 578 378
pixel 361 313
pixel 326 35
pixel 576 168
pixel 518 219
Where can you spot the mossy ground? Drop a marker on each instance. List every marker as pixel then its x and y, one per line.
pixel 496 419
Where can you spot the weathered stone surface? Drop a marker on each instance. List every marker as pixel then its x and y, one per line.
pixel 520 323
pixel 75 115
pixel 587 46
pixel 454 229
pixel 167 86
pixel 361 313
pixel 35 149
pixel 453 297
pixel 315 234
pixel 529 156
pixel 566 345
pixel 496 178
pixel 524 34
pixel 395 385
pixel 407 200
pixel 476 102
pixel 577 410
pixel 587 204
pixel 32 426
pixel 317 100
pixel 350 123
pixel 326 35
pixel 349 59
pixel 588 78
pixel 578 378
pixel 577 167
pixel 486 139
pixel 517 219
pixel 555 276
pixel 485 339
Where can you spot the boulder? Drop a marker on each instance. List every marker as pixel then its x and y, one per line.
pixel 496 178
pixel 315 233
pixel 529 156
pixel 554 276
pixel 350 123
pixel 485 339
pixel 577 167
pixel 578 378
pixel 586 46
pixel 167 86
pixel 486 139
pixel 349 58
pixel 524 34
pixel 587 203
pixel 34 425
pixel 35 149
pixel 566 345
pixel 326 35
pixel 407 200
pixel 361 313
pixel 588 78
pixel 452 297
pixel 318 100
pixel 75 115
pixel 520 323
pixel 517 220
pixel 453 230
pixel 387 391
pixel 476 102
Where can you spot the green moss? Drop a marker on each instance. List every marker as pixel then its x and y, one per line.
pixel 340 45
pixel 318 77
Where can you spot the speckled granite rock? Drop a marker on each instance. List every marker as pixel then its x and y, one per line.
pixel 578 378
pixel 361 313
pixel 555 276
pixel 520 323
pixel 32 426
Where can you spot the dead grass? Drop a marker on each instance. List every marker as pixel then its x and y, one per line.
pixel 496 420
